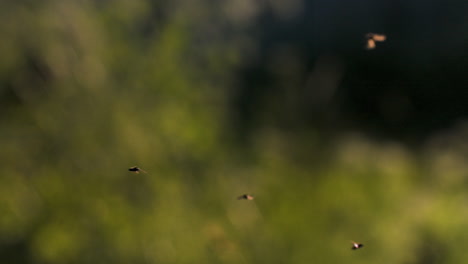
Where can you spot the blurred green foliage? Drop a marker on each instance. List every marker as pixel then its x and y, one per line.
pixel 90 88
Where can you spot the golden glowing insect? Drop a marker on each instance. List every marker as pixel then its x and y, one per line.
pixel 245 197
pixel 372 38
pixel 356 245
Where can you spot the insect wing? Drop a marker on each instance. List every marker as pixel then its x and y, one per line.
pixel 378 37
pixel 370 44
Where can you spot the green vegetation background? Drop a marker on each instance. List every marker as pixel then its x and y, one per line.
pixel 90 88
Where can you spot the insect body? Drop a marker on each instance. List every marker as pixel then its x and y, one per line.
pixel 356 245
pixel 371 38
pixel 245 197
pixel 136 170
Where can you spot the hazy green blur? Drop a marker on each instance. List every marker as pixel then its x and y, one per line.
pixel 90 88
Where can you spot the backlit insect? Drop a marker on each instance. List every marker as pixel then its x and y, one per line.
pixel 356 245
pixel 136 170
pixel 371 38
pixel 245 197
